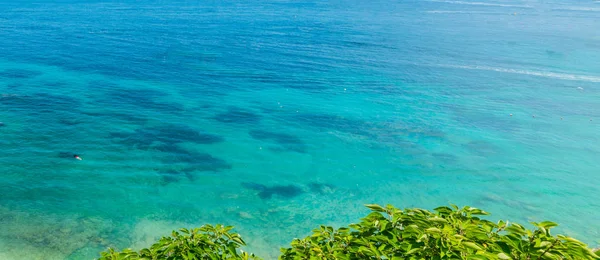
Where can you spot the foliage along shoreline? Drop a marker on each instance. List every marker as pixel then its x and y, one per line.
pixel 385 233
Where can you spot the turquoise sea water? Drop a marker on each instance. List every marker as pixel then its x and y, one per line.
pixel 278 116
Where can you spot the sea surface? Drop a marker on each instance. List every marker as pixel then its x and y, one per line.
pixel 278 116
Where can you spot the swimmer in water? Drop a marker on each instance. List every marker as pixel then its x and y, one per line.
pixel 77 157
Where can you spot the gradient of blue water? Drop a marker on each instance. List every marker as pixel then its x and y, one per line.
pixel 279 116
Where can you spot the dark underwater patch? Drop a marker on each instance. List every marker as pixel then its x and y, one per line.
pixel 70 121
pixel 197 161
pixel 185 164
pixel 19 73
pixel 422 132
pixel 175 175
pixel 167 179
pixel 142 98
pixel 167 140
pixel 57 103
pixel 482 148
pixel 206 162
pixel 42 103
pixel 286 141
pixel 165 137
pixel 189 161
pixel 55 84
pixel 14 85
pixel 445 158
pixel 396 131
pixel 125 117
pixel 65 155
pixel 337 123
pixel 171 148
pixel 238 116
pixel 181 133
pixel 552 53
pixel 267 192
pixel 321 188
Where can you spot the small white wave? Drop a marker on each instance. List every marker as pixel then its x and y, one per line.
pixel 581 9
pixel 479 3
pixel 459 12
pixel 545 74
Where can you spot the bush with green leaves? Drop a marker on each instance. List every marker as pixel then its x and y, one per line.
pixel 206 242
pixel 386 233
pixel 447 233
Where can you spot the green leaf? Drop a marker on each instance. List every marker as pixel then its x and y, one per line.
pixel 476 211
pixel 472 245
pixel 547 224
pixel 544 244
pixel 570 239
pixel 433 230
pixel 238 240
pixel 443 210
pixel 375 207
pixel 503 256
pixel 412 251
pixel 438 220
pixel 516 229
pixel 551 256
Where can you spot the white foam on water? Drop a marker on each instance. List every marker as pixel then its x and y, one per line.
pixel 545 74
pixel 583 9
pixel 479 3
pixel 460 12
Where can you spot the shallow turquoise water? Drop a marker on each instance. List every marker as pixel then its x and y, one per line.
pixel 276 117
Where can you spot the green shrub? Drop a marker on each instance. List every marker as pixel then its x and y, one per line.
pixel 447 233
pixel 206 242
pixel 386 233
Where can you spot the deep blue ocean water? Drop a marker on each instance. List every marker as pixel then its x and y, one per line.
pixel 278 116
